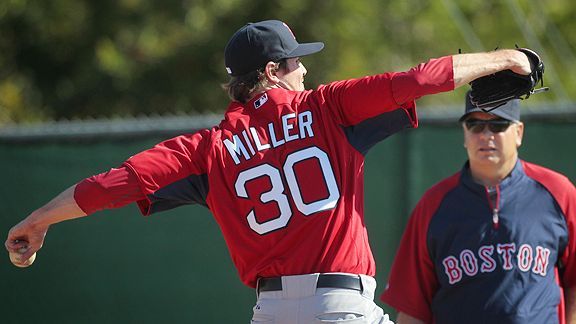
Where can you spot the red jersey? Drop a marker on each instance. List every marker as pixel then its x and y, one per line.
pixel 283 173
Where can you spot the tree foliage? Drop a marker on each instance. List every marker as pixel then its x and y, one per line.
pixel 68 59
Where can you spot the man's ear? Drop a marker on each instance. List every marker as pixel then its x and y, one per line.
pixel 271 72
pixel 519 134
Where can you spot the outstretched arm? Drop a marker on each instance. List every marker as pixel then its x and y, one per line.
pixel 468 67
pixel 31 231
pixel 118 187
pixel 112 189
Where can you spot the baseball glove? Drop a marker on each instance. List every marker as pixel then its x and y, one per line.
pixel 494 90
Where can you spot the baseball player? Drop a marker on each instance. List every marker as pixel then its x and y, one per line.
pixel 493 243
pixel 282 173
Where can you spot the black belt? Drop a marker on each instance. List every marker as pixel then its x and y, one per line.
pixel 327 280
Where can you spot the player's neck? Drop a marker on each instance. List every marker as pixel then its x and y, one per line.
pixel 263 89
pixel 491 175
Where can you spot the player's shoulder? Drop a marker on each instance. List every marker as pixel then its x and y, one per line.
pixel 189 142
pixel 433 197
pixel 557 184
pixel 442 187
pixel 298 99
pixel 545 175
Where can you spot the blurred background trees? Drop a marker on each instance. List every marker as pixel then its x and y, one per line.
pixel 81 59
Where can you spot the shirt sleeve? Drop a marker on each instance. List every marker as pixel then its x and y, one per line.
pixel 113 189
pixel 356 100
pixel 413 282
pixel 568 258
pixel 564 193
pixel 172 173
pixel 434 76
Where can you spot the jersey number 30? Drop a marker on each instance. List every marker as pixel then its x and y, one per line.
pixel 276 193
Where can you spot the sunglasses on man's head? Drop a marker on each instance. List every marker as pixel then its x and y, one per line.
pixel 494 125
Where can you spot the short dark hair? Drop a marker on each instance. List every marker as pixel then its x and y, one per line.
pixel 240 88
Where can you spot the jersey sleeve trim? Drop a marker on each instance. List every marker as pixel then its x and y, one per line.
pixel 112 189
pixel 434 76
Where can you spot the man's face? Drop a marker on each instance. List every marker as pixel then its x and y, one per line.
pixel 488 147
pixel 292 78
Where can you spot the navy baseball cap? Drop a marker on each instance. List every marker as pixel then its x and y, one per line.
pixel 256 44
pixel 509 111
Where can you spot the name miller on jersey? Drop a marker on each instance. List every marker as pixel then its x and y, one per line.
pixel 294 126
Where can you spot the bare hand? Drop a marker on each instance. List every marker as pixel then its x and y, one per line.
pixel 524 66
pixel 25 236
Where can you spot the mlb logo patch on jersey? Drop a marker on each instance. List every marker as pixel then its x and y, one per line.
pixel 260 101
